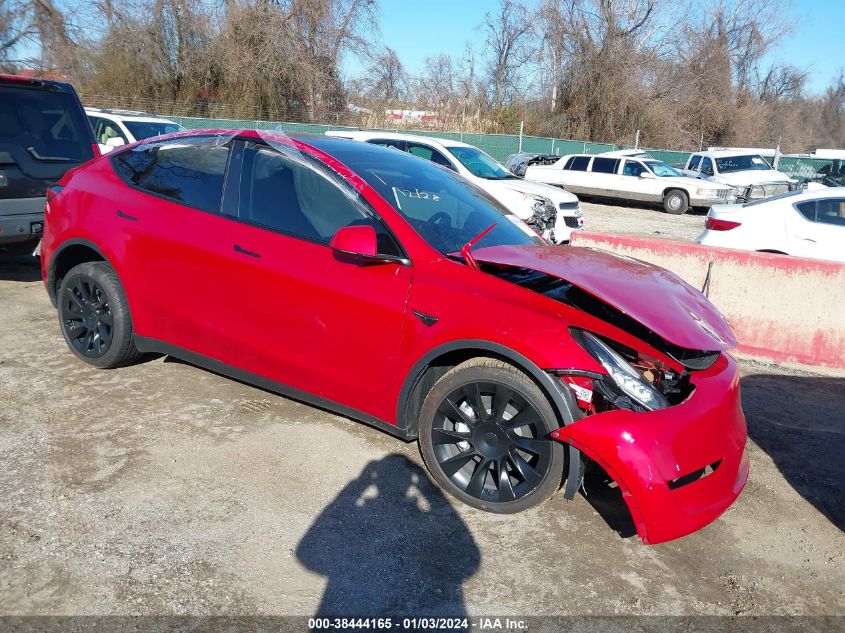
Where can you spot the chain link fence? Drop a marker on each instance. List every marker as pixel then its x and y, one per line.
pixel 198 115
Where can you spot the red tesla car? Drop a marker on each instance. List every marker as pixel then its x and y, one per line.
pixel 384 287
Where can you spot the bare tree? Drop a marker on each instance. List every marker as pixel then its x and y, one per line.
pixel 508 45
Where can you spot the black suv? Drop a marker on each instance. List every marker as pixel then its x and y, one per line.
pixel 43 133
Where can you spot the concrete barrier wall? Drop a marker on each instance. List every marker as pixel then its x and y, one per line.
pixel 784 309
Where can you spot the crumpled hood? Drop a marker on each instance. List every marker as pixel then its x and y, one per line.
pixel 751 177
pixel 653 296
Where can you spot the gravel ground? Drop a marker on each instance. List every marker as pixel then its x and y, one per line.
pixel 162 488
pixel 643 221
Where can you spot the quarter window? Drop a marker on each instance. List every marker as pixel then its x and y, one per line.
pixel 603 165
pixel 807 209
pixel 189 171
pixel 578 163
pixel 831 211
pixel 288 196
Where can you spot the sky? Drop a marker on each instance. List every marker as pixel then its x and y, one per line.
pixel 417 29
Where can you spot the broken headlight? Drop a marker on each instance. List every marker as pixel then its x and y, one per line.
pixel 626 378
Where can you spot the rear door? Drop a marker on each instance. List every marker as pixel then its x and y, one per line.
pixel 176 240
pixel 43 134
pixel 818 229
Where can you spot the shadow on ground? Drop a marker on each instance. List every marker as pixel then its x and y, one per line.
pixel 390 543
pixel 799 421
pixel 19 267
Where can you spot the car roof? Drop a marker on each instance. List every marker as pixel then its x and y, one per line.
pixel 365 135
pixel 625 153
pixel 127 115
pixel 34 82
pixel 728 152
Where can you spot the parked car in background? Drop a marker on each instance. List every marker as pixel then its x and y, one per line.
pixel 393 291
pixel 517 163
pixel 801 223
pixel 550 211
pixel 749 174
pixel 43 134
pixel 113 128
pixel 644 180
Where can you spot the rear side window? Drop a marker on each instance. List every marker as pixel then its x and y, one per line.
pixel 577 163
pixel 694 162
pixel 831 211
pixel 603 165
pixel 48 125
pixel 189 171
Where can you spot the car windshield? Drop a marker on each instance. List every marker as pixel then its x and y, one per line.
pixel 147 129
pixel 480 164
pixel 661 169
pixel 48 125
pixel 444 208
pixel 741 163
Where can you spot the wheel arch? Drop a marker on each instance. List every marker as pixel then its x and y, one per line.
pixel 71 253
pixel 440 359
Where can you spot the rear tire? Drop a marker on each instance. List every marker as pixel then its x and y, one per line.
pixel 94 316
pixel 483 433
pixel 675 202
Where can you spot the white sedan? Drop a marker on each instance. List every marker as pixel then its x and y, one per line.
pixel 800 223
pixel 550 211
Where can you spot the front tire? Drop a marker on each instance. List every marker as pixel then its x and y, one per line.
pixel 94 316
pixel 483 433
pixel 676 202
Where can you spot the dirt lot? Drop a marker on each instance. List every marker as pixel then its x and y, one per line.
pixel 163 488
pixel 644 221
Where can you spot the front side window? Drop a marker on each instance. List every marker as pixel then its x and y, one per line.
pixel 480 164
pixel 577 163
pixel 442 207
pixel 604 165
pixel 633 168
pixel 428 153
pixel 190 171
pixel 301 198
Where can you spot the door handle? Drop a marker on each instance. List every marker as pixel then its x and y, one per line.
pixel 126 216
pixel 243 251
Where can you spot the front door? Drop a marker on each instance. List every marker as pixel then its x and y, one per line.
pixel 301 314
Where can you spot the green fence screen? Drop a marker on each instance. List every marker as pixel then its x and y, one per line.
pixel 500 146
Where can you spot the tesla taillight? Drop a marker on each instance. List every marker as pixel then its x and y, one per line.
pixel 715 224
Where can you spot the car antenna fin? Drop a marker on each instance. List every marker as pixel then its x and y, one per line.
pixel 466 249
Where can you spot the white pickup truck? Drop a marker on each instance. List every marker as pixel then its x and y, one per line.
pixel 747 173
pixel 630 178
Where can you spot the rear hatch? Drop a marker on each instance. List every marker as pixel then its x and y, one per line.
pixel 43 134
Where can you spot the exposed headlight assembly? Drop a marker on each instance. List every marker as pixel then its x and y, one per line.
pixel 710 193
pixel 625 377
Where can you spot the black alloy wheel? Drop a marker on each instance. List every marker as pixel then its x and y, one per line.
pixel 86 316
pixel 94 316
pixel 484 434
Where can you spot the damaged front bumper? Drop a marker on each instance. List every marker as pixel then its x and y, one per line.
pixel 678 468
